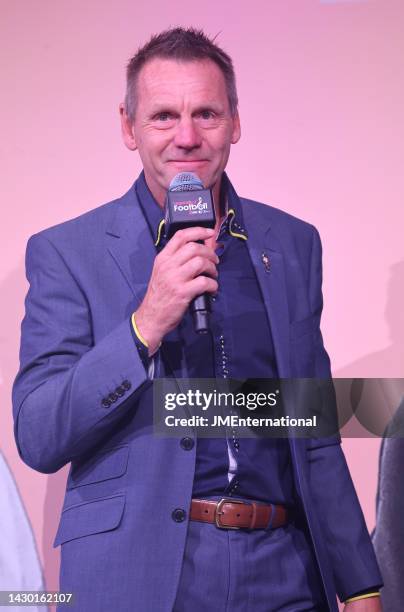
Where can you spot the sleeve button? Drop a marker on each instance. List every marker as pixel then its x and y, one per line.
pixel 126 385
pixel 113 397
pixel 120 391
pixel 105 402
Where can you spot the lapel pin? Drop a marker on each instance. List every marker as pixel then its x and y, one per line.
pixel 265 260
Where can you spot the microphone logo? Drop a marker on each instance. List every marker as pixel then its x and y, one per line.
pixel 192 206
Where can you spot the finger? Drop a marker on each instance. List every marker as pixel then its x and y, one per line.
pixel 197 266
pixel 194 249
pixel 190 234
pixel 201 284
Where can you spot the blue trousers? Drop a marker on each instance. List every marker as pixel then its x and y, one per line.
pixel 244 570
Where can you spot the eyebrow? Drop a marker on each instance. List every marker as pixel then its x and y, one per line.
pixel 167 108
pixel 210 107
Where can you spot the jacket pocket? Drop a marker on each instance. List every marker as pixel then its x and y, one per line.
pixel 96 516
pixel 112 463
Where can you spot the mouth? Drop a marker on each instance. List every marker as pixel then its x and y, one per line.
pixel 188 161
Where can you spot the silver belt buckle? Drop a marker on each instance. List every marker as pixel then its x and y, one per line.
pixel 219 511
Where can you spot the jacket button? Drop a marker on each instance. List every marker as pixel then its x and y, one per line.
pixel 179 515
pixel 105 402
pixel 120 391
pixel 126 385
pixel 187 443
pixel 113 397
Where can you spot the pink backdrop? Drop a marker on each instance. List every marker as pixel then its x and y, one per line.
pixel 321 88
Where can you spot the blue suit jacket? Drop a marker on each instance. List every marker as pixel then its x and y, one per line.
pixel 121 548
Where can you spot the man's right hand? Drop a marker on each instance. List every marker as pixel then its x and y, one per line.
pixel 178 276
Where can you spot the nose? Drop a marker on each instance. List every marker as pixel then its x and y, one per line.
pixel 187 135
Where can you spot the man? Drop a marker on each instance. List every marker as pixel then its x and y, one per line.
pixel 107 310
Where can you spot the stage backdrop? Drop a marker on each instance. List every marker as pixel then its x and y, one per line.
pixel 321 89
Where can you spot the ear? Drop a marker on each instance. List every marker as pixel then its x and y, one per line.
pixel 236 135
pixel 127 130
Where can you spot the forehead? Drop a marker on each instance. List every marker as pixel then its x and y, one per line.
pixel 163 79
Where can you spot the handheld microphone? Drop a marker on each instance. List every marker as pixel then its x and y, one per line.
pixel 188 204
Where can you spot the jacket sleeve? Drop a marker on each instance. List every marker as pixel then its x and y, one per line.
pixel 69 393
pixel 334 497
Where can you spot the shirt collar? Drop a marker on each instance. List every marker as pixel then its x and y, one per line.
pixel 154 214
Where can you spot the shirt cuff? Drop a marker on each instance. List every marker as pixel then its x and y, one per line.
pixel 142 348
pixel 363 595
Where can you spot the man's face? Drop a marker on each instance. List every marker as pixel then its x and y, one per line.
pixel 182 123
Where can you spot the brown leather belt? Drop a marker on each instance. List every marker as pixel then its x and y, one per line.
pixel 229 513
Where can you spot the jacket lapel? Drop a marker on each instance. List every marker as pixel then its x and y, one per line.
pixel 131 244
pixel 266 255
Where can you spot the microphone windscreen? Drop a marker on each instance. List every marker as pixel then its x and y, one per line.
pixel 185 181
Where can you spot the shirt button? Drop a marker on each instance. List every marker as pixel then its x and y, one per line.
pixel 178 515
pixel 187 443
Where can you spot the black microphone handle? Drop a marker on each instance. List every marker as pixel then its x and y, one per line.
pixel 200 309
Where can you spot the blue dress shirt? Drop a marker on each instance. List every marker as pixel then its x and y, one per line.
pixel 239 346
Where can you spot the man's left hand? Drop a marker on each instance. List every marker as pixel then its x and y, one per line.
pixel 370 604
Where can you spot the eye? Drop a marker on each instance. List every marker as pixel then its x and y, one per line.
pixel 206 114
pixel 164 116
